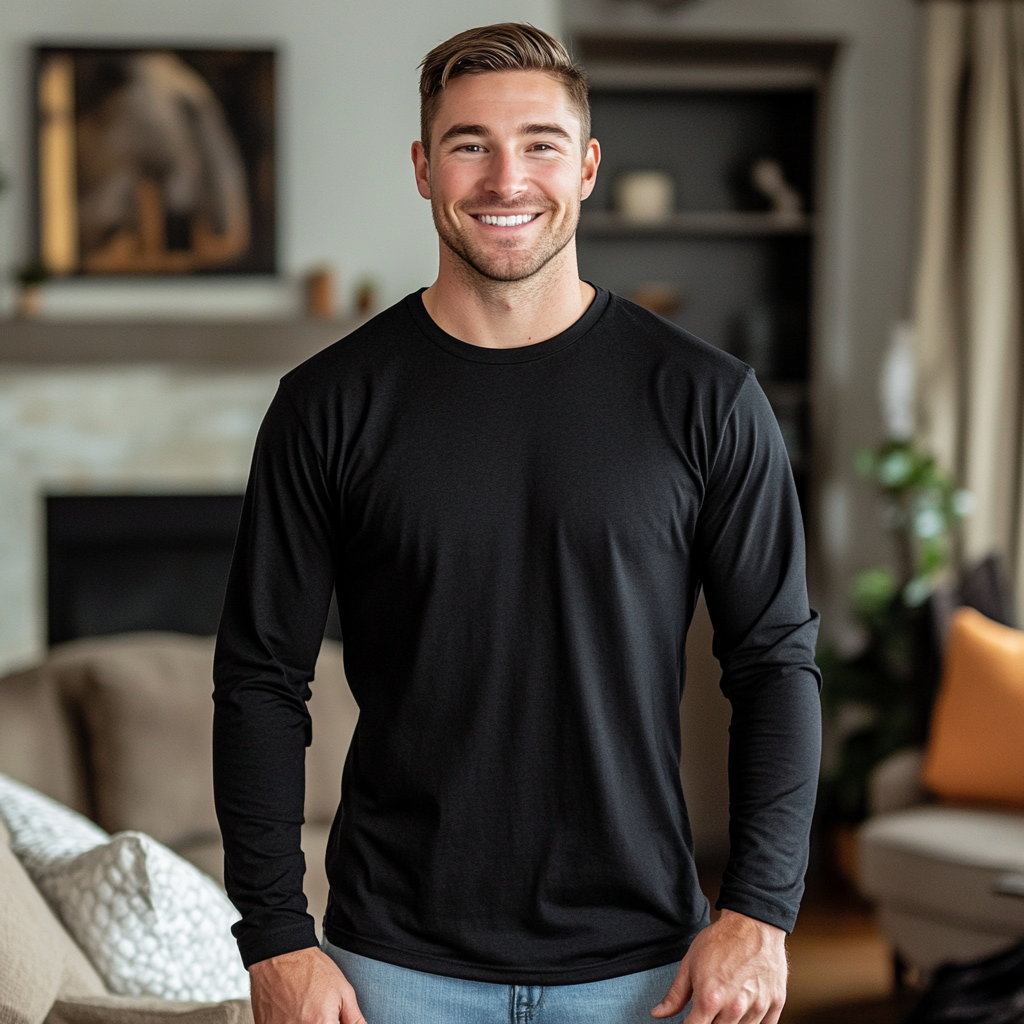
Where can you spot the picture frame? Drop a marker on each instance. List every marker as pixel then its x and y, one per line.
pixel 155 160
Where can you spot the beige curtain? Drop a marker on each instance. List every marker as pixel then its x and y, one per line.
pixel 968 305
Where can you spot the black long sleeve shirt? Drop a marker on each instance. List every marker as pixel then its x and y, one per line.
pixel 517 538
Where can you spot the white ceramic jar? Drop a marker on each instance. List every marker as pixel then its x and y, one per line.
pixel 644 197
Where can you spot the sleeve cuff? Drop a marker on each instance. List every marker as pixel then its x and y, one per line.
pixel 759 906
pixel 263 943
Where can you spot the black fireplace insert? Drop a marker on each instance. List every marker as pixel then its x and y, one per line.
pixel 117 563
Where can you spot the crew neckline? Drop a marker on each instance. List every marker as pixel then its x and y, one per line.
pixel 519 354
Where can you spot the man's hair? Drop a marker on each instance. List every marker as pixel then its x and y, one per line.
pixel 509 46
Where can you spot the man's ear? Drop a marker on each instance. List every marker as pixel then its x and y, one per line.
pixel 421 167
pixel 591 160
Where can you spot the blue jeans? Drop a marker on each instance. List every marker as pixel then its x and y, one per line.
pixel 397 995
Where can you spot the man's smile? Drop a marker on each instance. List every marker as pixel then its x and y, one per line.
pixel 511 220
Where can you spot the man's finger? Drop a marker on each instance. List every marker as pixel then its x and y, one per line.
pixel 718 1009
pixel 771 1017
pixel 350 1012
pixel 679 994
pixel 758 1012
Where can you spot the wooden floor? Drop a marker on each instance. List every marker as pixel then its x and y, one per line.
pixel 840 964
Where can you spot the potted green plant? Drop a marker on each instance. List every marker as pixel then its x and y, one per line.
pixel 867 695
pixel 870 694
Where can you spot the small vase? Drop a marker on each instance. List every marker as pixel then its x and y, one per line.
pixel 30 301
pixel 320 294
pixel 644 197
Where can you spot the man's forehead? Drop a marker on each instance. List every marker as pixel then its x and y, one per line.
pixel 506 100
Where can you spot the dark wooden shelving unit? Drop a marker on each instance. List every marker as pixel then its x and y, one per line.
pixel 703 110
pixel 710 223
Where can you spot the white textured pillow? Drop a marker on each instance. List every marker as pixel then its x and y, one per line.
pixel 43 831
pixel 152 924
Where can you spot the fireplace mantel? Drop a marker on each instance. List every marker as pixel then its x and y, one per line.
pixel 214 344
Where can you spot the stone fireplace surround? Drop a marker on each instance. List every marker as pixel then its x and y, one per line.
pixel 124 407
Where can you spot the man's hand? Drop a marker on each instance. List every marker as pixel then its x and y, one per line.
pixel 304 987
pixel 735 972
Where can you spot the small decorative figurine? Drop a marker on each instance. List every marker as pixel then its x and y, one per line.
pixel 767 176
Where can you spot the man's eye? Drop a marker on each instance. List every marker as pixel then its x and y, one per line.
pixel 543 145
pixel 472 147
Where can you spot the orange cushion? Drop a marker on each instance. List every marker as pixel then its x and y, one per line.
pixel 976 747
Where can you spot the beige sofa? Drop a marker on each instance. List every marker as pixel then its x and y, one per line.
pixel 119 729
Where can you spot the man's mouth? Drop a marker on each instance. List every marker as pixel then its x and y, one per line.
pixel 511 220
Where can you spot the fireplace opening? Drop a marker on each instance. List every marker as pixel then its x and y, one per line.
pixel 120 563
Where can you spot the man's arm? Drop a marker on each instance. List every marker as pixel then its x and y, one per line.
pixel 272 626
pixel 750 540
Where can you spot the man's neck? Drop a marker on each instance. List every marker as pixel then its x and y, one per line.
pixel 507 314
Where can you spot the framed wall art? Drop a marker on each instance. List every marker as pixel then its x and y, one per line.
pixel 155 160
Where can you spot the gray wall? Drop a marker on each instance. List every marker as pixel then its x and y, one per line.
pixel 348 114
pixel 865 270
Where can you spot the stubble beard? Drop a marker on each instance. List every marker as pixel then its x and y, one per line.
pixel 518 264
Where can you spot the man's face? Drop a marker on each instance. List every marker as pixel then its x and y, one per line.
pixel 506 172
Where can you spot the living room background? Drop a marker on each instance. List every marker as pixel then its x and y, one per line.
pixel 131 392
pixel 346 113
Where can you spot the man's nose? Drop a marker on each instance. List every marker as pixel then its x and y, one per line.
pixel 506 174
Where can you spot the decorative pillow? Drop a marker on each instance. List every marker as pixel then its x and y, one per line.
pixel 976 746
pixel 148 706
pixel 151 923
pixel 43 831
pixel 147 700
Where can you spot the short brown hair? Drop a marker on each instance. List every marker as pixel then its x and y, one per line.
pixel 509 46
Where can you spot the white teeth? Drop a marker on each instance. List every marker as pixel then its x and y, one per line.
pixel 505 222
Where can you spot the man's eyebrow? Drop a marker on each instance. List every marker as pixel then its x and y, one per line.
pixel 545 129
pixel 478 130
pixel 462 129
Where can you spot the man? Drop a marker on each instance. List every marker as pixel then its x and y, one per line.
pixel 518 484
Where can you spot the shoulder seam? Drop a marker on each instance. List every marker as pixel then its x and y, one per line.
pixel 725 419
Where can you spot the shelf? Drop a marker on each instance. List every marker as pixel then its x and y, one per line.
pixel 702 77
pixel 725 223
pixel 210 344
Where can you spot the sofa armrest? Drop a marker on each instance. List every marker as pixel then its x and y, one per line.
pixel 114 1009
pixel 895 783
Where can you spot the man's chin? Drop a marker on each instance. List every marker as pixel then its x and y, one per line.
pixel 504 271
pixel 506 267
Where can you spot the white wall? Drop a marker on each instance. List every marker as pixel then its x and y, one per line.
pixel 348 113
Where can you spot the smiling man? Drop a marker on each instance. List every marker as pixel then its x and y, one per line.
pixel 517 484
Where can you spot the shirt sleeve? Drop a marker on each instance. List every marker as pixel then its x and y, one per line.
pixel 753 571
pixel 275 608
